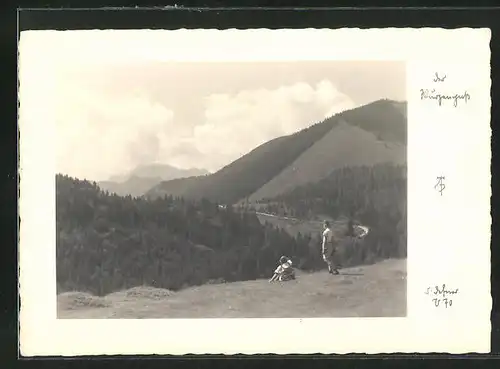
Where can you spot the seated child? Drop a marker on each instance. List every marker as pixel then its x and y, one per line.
pixel 284 272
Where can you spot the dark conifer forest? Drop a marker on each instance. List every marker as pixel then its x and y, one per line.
pixel 106 242
pixel 372 196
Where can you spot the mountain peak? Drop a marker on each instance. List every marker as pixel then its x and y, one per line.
pixel 366 135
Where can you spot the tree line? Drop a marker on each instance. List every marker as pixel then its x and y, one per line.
pixel 375 196
pixel 106 242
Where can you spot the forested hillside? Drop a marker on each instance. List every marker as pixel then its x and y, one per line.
pixel 371 134
pixel 385 118
pixel 107 243
pixel 375 196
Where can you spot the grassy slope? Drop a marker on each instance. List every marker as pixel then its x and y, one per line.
pixel 368 291
pixel 345 145
pixel 402 107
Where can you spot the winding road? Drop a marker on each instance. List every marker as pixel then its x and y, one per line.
pixel 364 230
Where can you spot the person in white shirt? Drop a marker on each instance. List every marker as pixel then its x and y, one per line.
pixel 328 248
pixel 284 271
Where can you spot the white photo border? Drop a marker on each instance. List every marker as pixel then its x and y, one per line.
pixel 448 236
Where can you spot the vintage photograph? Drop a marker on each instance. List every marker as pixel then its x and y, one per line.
pixel 246 181
pixel 230 189
pixel 223 190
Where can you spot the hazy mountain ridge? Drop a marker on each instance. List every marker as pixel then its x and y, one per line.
pixel 166 172
pixel 370 134
pixel 144 177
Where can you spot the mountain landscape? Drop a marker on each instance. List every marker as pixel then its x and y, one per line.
pixel 367 135
pixel 145 177
pixel 234 224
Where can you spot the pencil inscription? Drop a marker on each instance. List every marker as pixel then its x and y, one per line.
pixel 441 295
pixel 441 98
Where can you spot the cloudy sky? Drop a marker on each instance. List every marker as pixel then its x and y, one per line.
pixel 113 112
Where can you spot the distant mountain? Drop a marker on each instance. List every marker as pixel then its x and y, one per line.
pixel 165 172
pixel 368 135
pixel 144 177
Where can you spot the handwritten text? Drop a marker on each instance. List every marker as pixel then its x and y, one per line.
pixel 426 94
pixel 432 94
pixel 442 295
pixel 437 78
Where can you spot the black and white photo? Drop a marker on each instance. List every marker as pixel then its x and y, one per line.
pixel 180 186
pixel 212 181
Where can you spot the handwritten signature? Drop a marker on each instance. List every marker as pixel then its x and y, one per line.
pixel 442 295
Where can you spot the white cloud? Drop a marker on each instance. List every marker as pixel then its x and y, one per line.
pixel 98 135
pixel 236 124
pixel 113 112
pixel 101 134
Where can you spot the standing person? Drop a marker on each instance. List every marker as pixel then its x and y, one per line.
pixel 327 248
